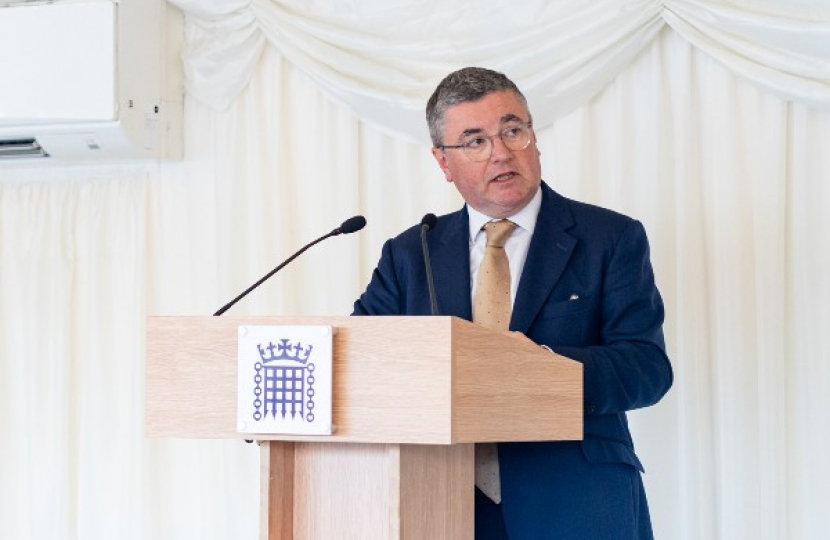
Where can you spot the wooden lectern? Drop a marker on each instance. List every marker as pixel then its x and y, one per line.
pixel 410 396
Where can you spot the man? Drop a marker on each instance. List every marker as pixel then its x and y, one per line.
pixel 580 282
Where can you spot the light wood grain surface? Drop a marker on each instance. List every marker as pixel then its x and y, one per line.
pixel 418 380
pixel 409 396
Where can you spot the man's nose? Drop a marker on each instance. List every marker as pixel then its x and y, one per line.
pixel 500 150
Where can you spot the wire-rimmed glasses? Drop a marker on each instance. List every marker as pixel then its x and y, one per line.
pixel 479 147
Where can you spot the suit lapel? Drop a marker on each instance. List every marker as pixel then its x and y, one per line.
pixel 548 255
pixel 450 256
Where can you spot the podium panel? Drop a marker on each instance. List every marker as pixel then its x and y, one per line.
pixel 408 380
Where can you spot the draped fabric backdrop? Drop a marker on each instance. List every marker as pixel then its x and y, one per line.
pixel 707 120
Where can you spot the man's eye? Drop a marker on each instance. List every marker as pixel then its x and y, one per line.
pixel 512 133
pixel 476 142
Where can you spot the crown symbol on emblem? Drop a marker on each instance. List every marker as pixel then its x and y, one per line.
pixel 284 350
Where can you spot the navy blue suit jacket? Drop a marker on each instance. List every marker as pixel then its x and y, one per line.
pixel 587 290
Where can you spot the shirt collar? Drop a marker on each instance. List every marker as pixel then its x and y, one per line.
pixel 524 218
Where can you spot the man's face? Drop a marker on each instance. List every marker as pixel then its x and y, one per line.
pixel 503 184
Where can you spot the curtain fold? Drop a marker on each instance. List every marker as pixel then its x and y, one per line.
pixel 382 59
pixel 71 255
pixel 782 54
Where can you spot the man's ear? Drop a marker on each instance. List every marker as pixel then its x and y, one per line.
pixel 535 141
pixel 441 157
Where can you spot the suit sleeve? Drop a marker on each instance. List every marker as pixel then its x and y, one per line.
pixel 383 294
pixel 628 368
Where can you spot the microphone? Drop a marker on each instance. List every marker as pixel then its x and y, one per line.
pixel 353 224
pixel 428 222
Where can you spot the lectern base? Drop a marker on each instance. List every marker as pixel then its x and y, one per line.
pixel 346 491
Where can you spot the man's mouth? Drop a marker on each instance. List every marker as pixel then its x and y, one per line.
pixel 503 177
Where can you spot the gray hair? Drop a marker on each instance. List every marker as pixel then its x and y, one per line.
pixel 466 84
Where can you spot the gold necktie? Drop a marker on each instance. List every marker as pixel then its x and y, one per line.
pixel 492 309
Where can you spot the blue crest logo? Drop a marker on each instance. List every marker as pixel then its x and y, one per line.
pixel 284 381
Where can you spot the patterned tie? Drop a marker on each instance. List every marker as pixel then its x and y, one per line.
pixel 491 309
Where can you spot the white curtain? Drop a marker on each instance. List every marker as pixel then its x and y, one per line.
pixel 382 58
pixel 709 121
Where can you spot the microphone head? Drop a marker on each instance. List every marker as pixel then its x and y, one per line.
pixel 353 224
pixel 429 221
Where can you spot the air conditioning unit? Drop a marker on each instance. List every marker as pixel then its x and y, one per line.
pixel 90 80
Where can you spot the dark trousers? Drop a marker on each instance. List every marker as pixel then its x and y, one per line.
pixel 489 521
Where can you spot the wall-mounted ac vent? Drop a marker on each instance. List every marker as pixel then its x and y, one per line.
pixel 99 80
pixel 21 148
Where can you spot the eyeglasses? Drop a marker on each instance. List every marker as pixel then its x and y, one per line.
pixel 479 147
